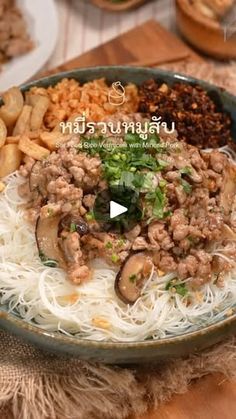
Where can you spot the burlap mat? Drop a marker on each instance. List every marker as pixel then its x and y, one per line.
pixel 36 385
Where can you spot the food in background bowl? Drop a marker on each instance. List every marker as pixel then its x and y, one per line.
pixel 14 37
pixel 213 9
pixel 202 28
pixel 118 5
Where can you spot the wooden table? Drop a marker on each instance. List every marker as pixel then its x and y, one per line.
pixel 211 397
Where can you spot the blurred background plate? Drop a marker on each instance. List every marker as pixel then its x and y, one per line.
pixel 42 23
pixel 118 6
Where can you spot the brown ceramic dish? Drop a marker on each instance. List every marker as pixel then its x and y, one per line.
pixel 135 352
pixel 205 34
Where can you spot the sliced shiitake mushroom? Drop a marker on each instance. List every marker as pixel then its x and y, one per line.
pixel 37 181
pixel 74 223
pixel 47 241
pixel 132 275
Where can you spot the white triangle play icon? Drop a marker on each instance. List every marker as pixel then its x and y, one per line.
pixel 116 209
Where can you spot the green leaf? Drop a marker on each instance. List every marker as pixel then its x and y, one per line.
pixel 127 179
pixel 51 263
pixel 162 164
pixel 114 258
pixel 158 200
pixel 73 228
pixel 138 180
pixel 186 186
pixel 148 181
pixel 89 216
pixel 131 138
pixel 132 278
pixel 186 170
pixel 180 288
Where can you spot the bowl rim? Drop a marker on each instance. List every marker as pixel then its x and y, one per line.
pixel 9 320
pixel 20 324
pixel 206 22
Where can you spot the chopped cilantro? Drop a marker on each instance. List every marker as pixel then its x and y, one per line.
pixel 162 164
pixel 180 289
pixel 186 186
pixel 89 216
pixel 138 180
pixel 121 242
pixel 162 183
pixel 109 245
pixel 131 138
pixel 114 258
pixel 127 179
pixel 51 263
pixel 167 214
pixel 158 201
pixel 186 170
pixel 50 212
pixel 170 284
pixel 133 167
pixel 132 278
pixel 73 228
pixel 192 240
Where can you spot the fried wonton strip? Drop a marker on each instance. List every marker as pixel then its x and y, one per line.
pixel 33 150
pixel 10 159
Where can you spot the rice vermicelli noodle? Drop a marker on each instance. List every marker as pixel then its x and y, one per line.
pixel 42 295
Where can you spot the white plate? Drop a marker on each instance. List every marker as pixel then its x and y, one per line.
pixel 42 23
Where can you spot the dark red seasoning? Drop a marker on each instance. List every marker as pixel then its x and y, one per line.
pixel 197 118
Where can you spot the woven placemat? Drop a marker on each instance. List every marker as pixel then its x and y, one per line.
pixel 36 385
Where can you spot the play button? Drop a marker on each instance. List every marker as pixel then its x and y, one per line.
pixel 116 209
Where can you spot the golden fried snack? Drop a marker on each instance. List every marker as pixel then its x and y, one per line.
pixel 3 133
pixel 40 106
pixel 54 139
pixel 23 122
pixel 13 105
pixel 10 159
pixel 32 150
pixel 38 141
pixel 13 139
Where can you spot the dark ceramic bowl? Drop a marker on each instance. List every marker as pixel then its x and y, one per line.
pixel 138 352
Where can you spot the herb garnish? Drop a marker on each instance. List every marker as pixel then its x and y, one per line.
pixel 89 216
pixel 51 263
pixel 114 258
pixel 179 288
pixel 186 170
pixel 132 166
pixel 50 212
pixel 158 200
pixel 133 278
pixel 186 186
pixel 73 228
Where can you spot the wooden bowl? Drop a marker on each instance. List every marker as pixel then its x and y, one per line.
pixel 118 7
pixel 205 34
